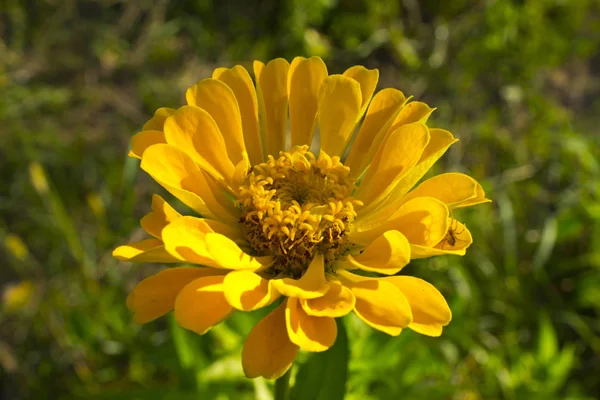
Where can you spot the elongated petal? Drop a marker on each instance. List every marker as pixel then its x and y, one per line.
pixel 337 302
pixel 429 308
pixel 157 122
pixel 192 239
pixel 247 291
pixel 423 221
pixel 367 78
pixel 142 140
pixel 155 296
pixel 451 188
pixel 339 110
pixel 399 153
pixel 379 303
pixel 268 350
pixel 219 100
pixel 381 113
pixel 311 285
pixel 149 250
pixel 304 83
pixel 178 173
pixel 271 85
pixel 201 304
pixel 162 213
pixel 308 332
pixel 195 132
pixel 440 141
pixel 414 111
pixel 387 255
pixel 238 79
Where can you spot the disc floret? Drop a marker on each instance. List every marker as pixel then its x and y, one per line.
pixel 295 206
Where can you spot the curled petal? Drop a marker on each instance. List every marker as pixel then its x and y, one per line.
pixel 387 255
pixel 380 304
pixel 201 304
pixel 247 291
pixel 268 350
pixel 429 308
pixel 337 302
pixel 155 296
pixel 162 213
pixel 310 333
pixel 311 285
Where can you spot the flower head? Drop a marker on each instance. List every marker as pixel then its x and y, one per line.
pixel 279 221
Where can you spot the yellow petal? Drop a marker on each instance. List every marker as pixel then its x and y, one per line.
pixel 478 199
pixel 219 100
pixel 397 155
pixel 238 79
pixel 157 122
pixel 456 242
pixel 387 255
pixel 368 82
pixel 271 85
pixel 304 83
pixel 178 173
pixel 308 332
pixel 381 113
pixel 451 188
pixel 440 141
pixel 429 308
pixel 311 285
pixel 192 239
pixel 227 254
pixel 142 140
pixel 155 296
pixel 414 111
pixel 424 221
pixel 268 351
pixel 162 213
pixel 339 111
pixel 149 250
pixel 379 303
pixel 247 291
pixel 194 131
pixel 337 302
pixel 200 305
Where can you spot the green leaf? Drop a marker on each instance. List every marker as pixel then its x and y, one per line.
pixel 323 376
pixel 547 341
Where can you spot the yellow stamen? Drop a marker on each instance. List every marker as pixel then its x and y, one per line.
pixel 295 206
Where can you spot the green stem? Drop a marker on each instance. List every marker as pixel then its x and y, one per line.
pixel 281 385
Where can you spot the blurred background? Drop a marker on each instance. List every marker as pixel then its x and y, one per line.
pixel 516 81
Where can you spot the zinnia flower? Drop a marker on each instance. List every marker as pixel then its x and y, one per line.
pixel 295 217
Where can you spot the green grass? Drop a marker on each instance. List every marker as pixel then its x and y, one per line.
pixel 517 82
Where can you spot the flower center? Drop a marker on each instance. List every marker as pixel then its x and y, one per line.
pixel 296 206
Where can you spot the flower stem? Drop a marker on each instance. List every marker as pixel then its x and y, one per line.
pixel 281 385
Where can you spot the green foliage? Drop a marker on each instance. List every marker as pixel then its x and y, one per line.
pixel 516 81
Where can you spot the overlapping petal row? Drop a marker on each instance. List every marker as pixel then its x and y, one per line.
pixel 232 134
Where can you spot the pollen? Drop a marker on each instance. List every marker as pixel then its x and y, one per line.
pixel 295 206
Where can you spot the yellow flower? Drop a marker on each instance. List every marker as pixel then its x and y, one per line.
pixel 281 221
